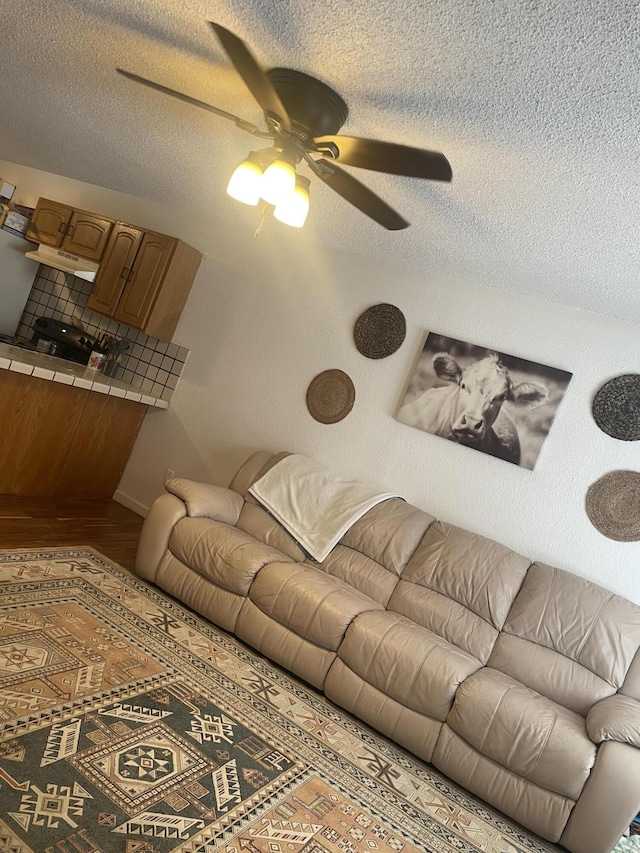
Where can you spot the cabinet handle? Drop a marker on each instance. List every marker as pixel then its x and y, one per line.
pixel 62 226
pixel 126 273
pixel 70 230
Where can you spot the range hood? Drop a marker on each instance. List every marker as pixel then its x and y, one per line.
pixel 65 261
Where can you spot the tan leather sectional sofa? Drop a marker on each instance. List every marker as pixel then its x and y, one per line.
pixel 519 681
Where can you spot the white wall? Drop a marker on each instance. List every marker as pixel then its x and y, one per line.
pixel 266 316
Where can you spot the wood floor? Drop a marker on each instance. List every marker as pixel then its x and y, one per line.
pixel 105 525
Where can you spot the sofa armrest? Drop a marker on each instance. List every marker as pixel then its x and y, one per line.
pixel 207 501
pixel 166 511
pixel 615 718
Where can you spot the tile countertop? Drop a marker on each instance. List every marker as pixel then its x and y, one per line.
pixel 54 369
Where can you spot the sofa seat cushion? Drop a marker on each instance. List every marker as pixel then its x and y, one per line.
pixel 524 732
pixel 316 606
pixel 406 662
pixel 228 557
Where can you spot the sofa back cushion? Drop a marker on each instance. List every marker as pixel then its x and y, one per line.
pixel 254 519
pixel 460 586
pixel 568 638
pixel 360 572
pixel 257 522
pixel 389 533
pixel 253 468
pixel 631 686
pixel 374 551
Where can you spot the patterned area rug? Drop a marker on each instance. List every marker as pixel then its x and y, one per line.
pixel 130 725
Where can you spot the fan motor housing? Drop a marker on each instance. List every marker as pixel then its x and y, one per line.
pixel 313 107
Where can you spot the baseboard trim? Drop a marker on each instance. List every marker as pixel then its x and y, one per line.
pixel 131 503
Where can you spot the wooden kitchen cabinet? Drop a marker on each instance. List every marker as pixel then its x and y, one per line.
pixel 62 440
pixel 144 280
pixel 49 222
pixel 115 269
pixel 39 419
pixel 75 231
pixel 87 235
pixel 100 447
pixel 144 277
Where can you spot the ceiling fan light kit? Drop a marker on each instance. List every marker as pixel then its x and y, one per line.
pixel 303 117
pixel 278 185
pixel 246 182
pixel 278 181
pixel 293 211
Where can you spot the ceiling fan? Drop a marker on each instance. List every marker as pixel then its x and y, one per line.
pixel 303 117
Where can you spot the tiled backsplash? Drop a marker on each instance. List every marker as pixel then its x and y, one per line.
pixel 152 365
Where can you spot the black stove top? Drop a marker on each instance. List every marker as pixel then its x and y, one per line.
pixel 72 342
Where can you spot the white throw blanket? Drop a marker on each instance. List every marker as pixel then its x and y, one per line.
pixel 315 504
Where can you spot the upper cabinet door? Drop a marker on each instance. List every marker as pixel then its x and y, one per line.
pixel 49 222
pixel 87 235
pixel 152 261
pixel 115 269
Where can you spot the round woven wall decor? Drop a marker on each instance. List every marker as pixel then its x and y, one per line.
pixel 616 407
pixel 380 330
pixel 330 396
pixel 613 505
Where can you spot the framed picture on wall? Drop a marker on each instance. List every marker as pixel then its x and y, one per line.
pixel 487 400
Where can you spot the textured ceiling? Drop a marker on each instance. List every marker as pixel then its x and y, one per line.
pixel 535 103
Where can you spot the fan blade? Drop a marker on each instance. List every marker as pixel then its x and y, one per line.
pixel 357 194
pixel 245 125
pixel 255 78
pixel 387 157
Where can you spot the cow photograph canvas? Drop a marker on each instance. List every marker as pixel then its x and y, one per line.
pixel 486 400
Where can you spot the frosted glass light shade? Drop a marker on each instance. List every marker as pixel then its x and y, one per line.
pixel 246 183
pixel 278 182
pixel 293 210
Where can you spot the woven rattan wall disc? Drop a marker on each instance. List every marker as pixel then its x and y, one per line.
pixel 330 396
pixel 616 407
pixel 613 505
pixel 380 330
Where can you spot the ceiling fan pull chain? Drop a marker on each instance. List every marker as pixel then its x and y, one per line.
pixel 265 212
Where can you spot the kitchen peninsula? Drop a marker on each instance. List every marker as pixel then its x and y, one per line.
pixel 50 368
pixel 66 430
